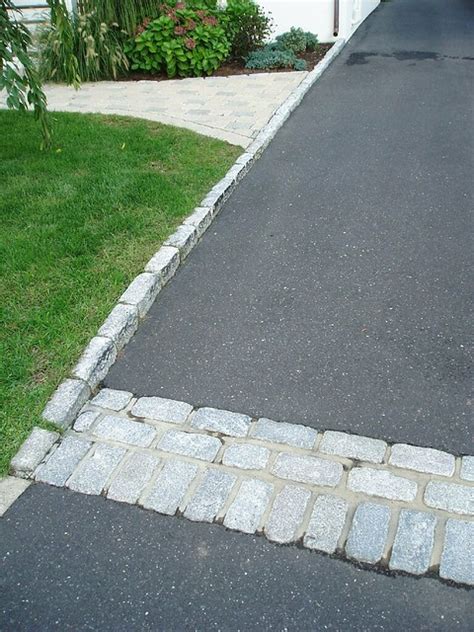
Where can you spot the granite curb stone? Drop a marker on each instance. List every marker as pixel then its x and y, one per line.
pixel 96 361
pixel 32 452
pixel 120 325
pixel 66 401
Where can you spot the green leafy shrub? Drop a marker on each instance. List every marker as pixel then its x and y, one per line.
pixel 247 26
pixel 81 47
pixel 312 42
pixel 269 58
pixel 182 41
pixel 294 40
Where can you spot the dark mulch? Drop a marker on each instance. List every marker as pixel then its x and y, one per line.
pixel 236 67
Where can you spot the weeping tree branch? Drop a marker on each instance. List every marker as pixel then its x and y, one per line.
pixel 18 74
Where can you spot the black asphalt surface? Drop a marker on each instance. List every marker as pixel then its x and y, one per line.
pixel 74 562
pixel 334 287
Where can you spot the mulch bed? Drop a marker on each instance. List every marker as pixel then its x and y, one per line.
pixel 236 67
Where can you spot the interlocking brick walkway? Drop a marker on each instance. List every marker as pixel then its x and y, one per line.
pixel 230 108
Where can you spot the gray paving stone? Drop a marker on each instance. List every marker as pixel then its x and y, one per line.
pixel 142 292
pixel 307 469
pixel 287 514
pixel 422 459
pixel 66 402
pixel 326 523
pixel 246 512
pixel 413 542
pixel 132 478
pixel 210 496
pixel 114 428
pixel 457 559
pixel 450 497
pixel 32 452
pixel 120 325
pixel 165 262
pixel 161 409
pixel 353 446
pixel 188 444
pixel 223 421
pixel 184 239
pixel 170 487
pixel 467 468
pixel 85 420
pixel 94 471
pixel 10 489
pixel 63 461
pixel 246 456
pixel 381 483
pixel 282 432
pixel 201 218
pixel 96 360
pixel 368 534
pixel 112 399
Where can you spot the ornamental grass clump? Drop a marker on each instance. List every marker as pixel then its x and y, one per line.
pixel 183 42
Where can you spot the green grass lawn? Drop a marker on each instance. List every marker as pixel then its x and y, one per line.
pixel 77 224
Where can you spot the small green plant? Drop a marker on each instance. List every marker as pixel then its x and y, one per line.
pixel 294 40
pixel 312 42
pixel 247 27
pixel 269 58
pixel 182 42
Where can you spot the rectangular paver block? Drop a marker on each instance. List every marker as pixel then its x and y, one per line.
pixel 164 263
pixel 66 402
pixel 94 471
pixel 307 469
pixel 32 452
pixel 246 456
pixel 287 514
pixel 96 360
pixel 457 559
pixel 381 483
pixel 142 292
pixel 133 476
pixel 368 534
pixel 353 446
pixel 413 542
pixel 200 218
pixel 10 489
pixel 467 468
pixel 326 523
pixel 223 421
pixel 170 487
pixel 86 420
pixel 450 497
pixel 246 512
pixel 422 459
pixel 282 432
pixel 161 409
pixel 210 496
pixel 188 444
pixel 120 324
pixel 112 399
pixel 63 461
pixel 114 428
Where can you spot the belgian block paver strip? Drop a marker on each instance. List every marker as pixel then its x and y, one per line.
pixel 408 507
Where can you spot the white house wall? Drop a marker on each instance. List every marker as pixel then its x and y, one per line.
pixel 318 15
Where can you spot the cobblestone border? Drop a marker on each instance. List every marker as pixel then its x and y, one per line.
pixel 123 320
pixel 398 507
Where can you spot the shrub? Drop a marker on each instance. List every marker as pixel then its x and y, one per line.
pixel 311 41
pixel 269 58
pixel 81 48
pixel 247 26
pixel 182 41
pixel 294 40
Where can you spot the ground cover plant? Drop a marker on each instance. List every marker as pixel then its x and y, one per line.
pixel 286 51
pixel 78 223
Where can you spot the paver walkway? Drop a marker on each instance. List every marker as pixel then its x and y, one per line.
pixel 230 108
